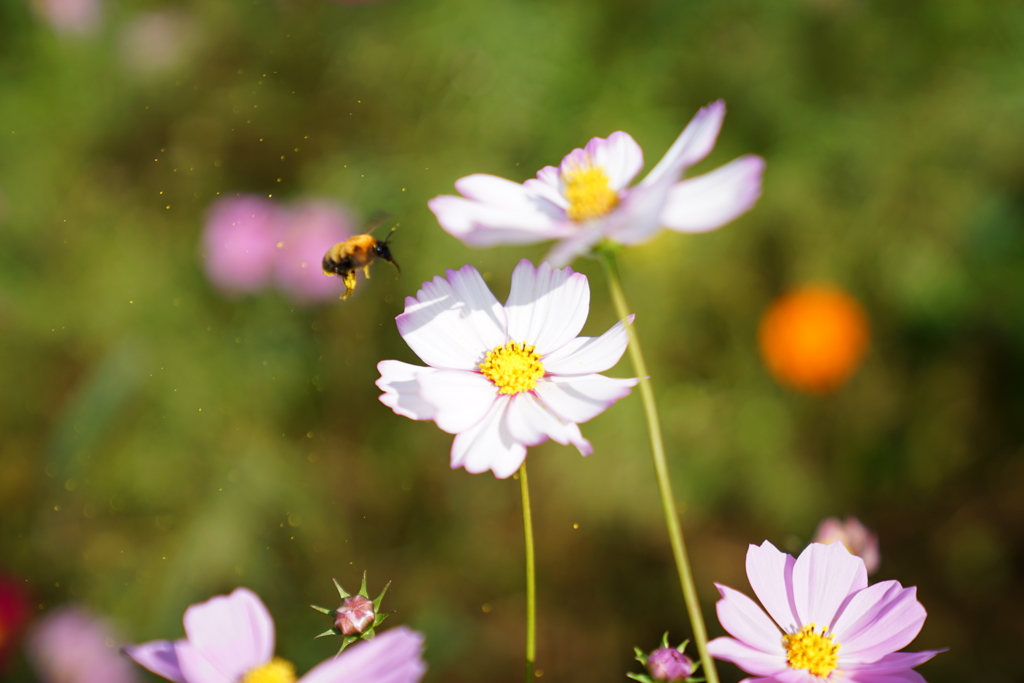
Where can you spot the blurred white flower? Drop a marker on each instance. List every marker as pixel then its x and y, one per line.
pixel 157 41
pixel 588 199
pixel 502 378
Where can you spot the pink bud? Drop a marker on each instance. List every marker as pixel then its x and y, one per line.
pixel 669 664
pixel 355 615
pixel 857 538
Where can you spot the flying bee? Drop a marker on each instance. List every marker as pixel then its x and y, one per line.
pixel 355 253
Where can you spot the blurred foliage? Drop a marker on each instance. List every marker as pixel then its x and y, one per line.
pixel 159 443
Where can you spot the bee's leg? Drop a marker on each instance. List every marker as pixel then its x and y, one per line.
pixel 350 284
pixel 366 271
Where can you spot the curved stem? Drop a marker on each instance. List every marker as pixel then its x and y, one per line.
pixel 668 504
pixel 531 579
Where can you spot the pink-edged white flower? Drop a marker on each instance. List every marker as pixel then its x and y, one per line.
pixel 857 538
pixel 502 378
pixel 588 198
pixel 230 639
pixel 825 623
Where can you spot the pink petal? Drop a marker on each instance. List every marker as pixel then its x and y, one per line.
pixel 587 355
pixel 546 307
pixel 619 157
pixel 159 657
pixel 749 659
pixel 907 676
pixel 582 398
pixel 234 633
pixel 452 323
pixel 693 144
pixel 392 657
pixel 489 445
pixel 744 620
pixel 823 577
pixel 878 620
pixel 401 384
pixel 196 668
pixel 461 398
pixel 711 200
pixel 531 423
pixel 770 572
pixel 797 676
pixel 895 662
pixel 548 185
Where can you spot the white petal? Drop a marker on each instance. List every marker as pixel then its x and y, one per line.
pixel 619 157
pixel 588 355
pixel 711 200
pixel 489 445
pixel 498 211
pixel 453 323
pixel 581 398
pixel 531 423
pixel 581 242
pixel 546 307
pixel 548 185
pixel 638 216
pixel 400 383
pixel 460 398
pixel 693 144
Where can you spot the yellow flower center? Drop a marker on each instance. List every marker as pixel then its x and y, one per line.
pixel 813 651
pixel 277 670
pixel 588 192
pixel 513 368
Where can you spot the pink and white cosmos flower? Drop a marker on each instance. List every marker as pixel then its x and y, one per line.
pixel 230 639
pixel 825 624
pixel 588 198
pixel 502 378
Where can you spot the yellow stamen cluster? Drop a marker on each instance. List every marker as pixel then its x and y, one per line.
pixel 513 368
pixel 276 670
pixel 808 649
pixel 588 192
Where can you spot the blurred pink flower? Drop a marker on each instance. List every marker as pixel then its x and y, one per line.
pixel 588 199
pixel 70 16
pixel 826 623
pixel 156 41
pixel 857 538
pixel 14 614
pixel 70 645
pixel 231 638
pixel 502 378
pixel 240 243
pixel 311 229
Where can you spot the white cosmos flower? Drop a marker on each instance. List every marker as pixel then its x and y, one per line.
pixel 502 378
pixel 588 198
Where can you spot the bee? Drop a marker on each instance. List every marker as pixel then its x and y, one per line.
pixel 357 252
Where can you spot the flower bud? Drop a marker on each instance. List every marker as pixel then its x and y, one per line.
pixel 669 664
pixel 857 538
pixel 355 615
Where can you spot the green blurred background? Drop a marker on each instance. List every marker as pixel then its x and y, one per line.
pixel 160 443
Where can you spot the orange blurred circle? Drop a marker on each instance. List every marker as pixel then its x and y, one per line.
pixel 814 338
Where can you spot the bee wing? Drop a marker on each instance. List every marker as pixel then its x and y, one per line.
pixel 377 218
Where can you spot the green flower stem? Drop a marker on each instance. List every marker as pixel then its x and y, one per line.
pixel 531 578
pixel 668 504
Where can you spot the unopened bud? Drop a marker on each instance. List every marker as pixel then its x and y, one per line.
pixel 669 664
pixel 355 615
